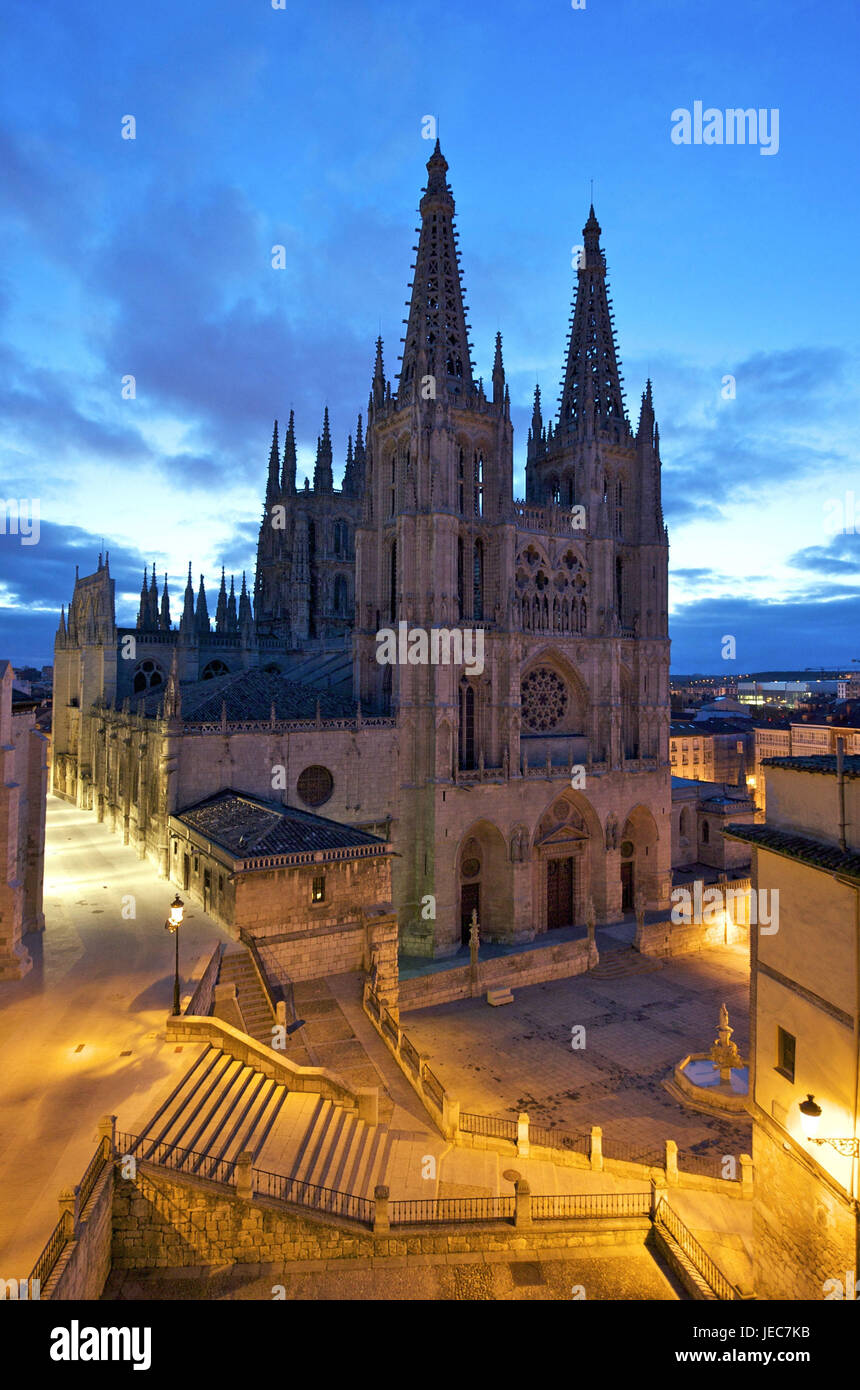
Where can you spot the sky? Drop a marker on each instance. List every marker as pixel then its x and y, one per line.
pixel 733 271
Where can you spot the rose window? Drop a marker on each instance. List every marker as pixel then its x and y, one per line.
pixel 544 699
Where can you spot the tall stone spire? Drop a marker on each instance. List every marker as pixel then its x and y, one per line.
pixel 359 458
pixel 232 618
pixel 288 474
pixel 377 394
pixel 323 480
pixel 221 609
pixel 144 600
pixel 349 471
pixel 186 624
pixel 498 373
pixel 274 468
pixel 246 617
pixel 592 395
pixel 164 618
pixel 152 605
pixel 202 623
pixel 437 339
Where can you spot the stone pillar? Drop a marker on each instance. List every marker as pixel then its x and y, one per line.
pixel 523 1216
pixel 450 1116
pixel 381 1224
pixel 747 1173
pixel 107 1130
pixel 368 1104
pixel 69 1204
pixel 658 1192
pixel 244 1178
pixel 522 1135
pixel 671 1163
pixel 596 1148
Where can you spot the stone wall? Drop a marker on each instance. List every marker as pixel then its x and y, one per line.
pixel 667 938
pixel 520 968
pixel 82 1270
pixel 167 1220
pixel 805 1231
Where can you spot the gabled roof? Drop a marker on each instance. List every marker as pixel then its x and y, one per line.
pixel 800 847
pixel 250 829
pixel 249 695
pixel 824 762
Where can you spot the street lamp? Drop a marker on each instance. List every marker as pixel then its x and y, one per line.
pixel 173 923
pixel 811 1112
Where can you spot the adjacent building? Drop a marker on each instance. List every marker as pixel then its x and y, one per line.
pixel 23 790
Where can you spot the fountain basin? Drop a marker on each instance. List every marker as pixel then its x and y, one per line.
pixel 698 1079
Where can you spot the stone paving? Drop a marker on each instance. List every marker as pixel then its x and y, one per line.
pixel 625 1272
pixel 497 1061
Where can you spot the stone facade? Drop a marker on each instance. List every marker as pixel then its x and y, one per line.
pixel 23 790
pixel 526 790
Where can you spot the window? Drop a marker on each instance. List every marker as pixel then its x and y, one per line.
pixel 460 577
pixel 706 831
pixel 479 484
pixel 619 591
pixel 318 889
pixel 478 580
pixel 147 676
pixel 214 669
pixel 786 1046
pixel 461 485
pixel 392 580
pixel 340 595
pixel 467 727
pixel 315 785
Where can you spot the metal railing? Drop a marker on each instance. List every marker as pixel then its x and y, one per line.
pixel 410 1054
pixel 560 1139
pixel 648 1156
pixel 421 1211
pixel 166 1155
pixel 489 1125
pixel 389 1027
pixel 433 1087
pixel 707 1165
pixel 93 1173
pixel 696 1253
pixel 306 1194
pixel 561 1205
pixel 54 1248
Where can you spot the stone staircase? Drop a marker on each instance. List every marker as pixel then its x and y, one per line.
pixel 237 968
pixel 220 1108
pixel 613 965
pixel 317 1142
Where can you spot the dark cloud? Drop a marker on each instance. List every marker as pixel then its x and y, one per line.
pixel 767 634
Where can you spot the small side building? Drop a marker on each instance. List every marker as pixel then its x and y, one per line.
pixel 314 894
pixel 805 1027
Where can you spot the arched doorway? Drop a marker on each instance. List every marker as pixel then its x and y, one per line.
pixel 484 875
pixel 638 845
pixel 562 865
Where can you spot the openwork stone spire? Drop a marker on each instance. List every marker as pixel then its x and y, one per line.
pixel 592 396
pixel 437 339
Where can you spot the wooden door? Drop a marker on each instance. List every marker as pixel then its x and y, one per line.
pixel 559 892
pixel 627 889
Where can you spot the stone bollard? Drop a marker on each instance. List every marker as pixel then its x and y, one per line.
pixel 381 1223
pixel 596 1148
pixel 368 1104
pixel 450 1116
pixel 658 1192
pixel 281 1013
pixel 671 1163
pixel 746 1177
pixel 522 1134
pixel 107 1130
pixel 69 1210
pixel 244 1177
pixel 523 1216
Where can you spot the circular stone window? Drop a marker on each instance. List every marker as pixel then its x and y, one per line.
pixel 626 849
pixel 544 698
pixel 471 868
pixel 315 785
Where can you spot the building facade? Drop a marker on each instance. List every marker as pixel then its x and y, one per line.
pixel 526 785
pixel 23 790
pixel 805 1027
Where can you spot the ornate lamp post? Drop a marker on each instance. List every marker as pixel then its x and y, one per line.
pixel 173 923
pixel 811 1112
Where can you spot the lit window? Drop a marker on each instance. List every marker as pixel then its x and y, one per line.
pixel 318 889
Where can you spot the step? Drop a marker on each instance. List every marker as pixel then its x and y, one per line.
pixel 321 1123
pixel 182 1090
pixel 333 1151
pixel 213 1121
pixel 499 996
pixel 182 1115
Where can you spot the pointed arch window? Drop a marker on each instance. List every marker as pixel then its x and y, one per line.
pixel 619 586
pixel 478 580
pixel 467 726
pixel 479 483
pixel 461 483
pixel 619 514
pixel 392 582
pixel 340 595
pixel 392 485
pixel 460 563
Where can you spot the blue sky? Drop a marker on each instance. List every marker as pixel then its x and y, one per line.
pixel 302 127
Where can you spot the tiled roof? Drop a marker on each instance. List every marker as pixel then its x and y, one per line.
pixel 825 762
pixel 249 695
pixel 249 828
pixel 801 847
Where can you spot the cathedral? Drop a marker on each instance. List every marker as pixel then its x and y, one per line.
pixel 534 791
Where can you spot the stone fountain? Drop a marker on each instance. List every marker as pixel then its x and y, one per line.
pixel 716 1081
